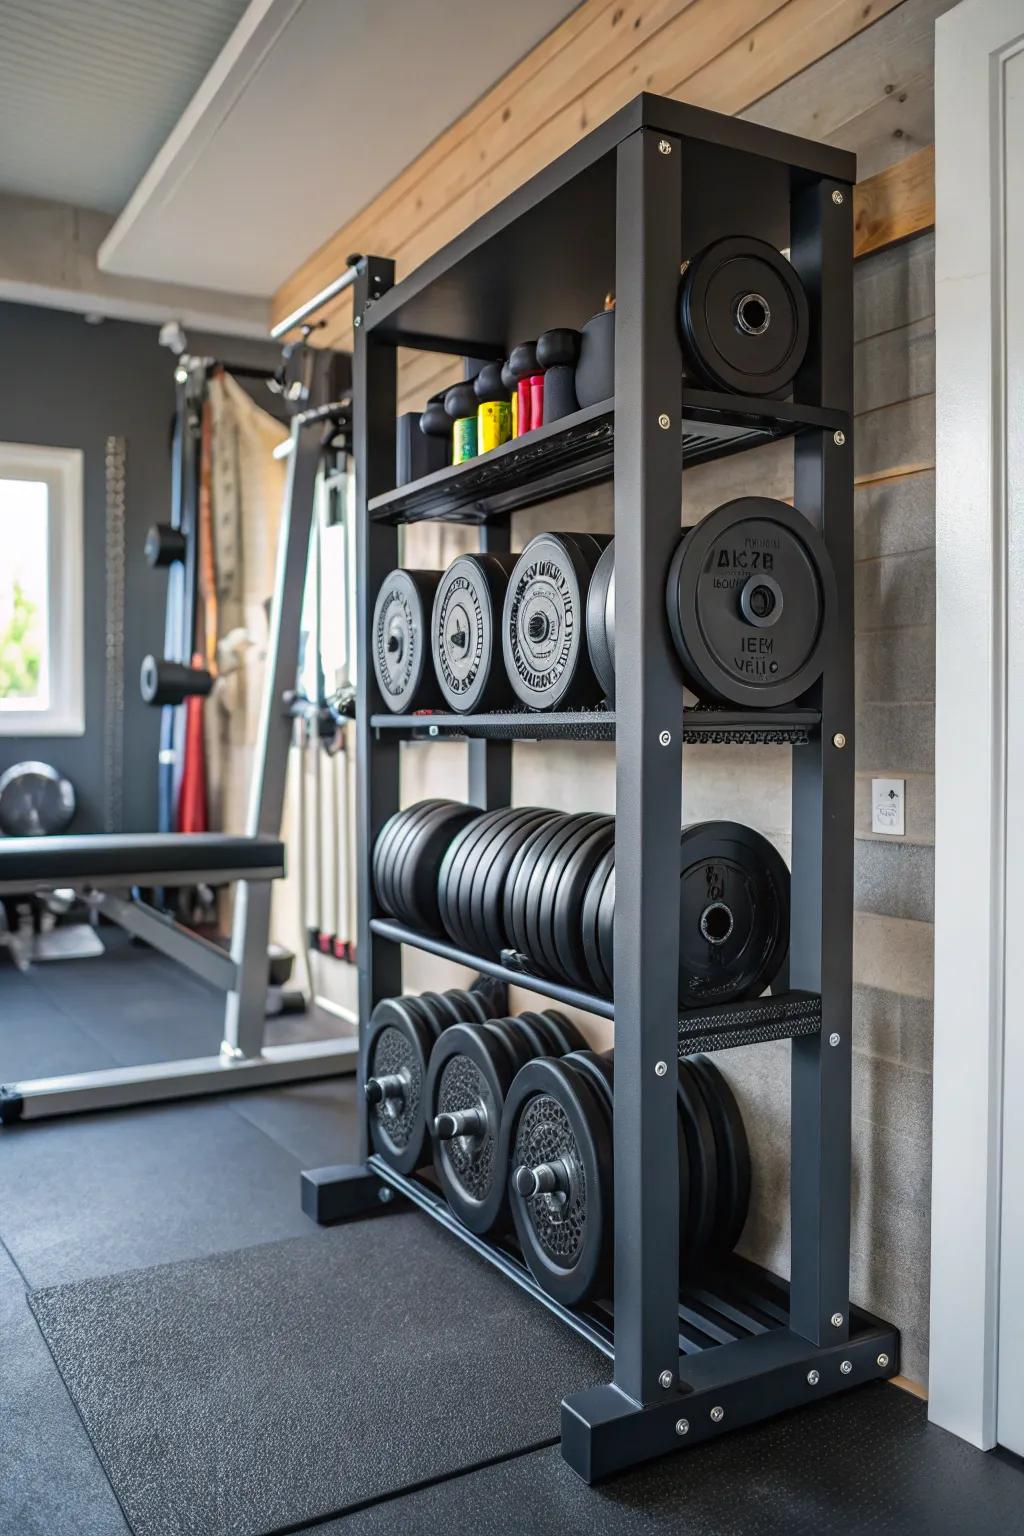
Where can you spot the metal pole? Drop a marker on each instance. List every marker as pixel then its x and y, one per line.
pixel 310 307
pixel 490 762
pixel 648 766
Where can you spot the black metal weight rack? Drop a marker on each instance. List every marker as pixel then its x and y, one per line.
pixel 620 211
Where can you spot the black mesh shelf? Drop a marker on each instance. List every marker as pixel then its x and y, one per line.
pixel 578 451
pixel 705 727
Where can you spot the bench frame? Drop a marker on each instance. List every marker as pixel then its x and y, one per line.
pixel 242 972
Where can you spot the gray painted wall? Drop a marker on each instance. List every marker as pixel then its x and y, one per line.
pixel 69 384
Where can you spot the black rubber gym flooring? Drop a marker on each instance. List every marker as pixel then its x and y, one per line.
pixel 110 1195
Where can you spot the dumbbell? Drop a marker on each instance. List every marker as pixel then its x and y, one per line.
pixel 557 1138
pixel 471 1069
pixel 751 600
pixel 400 1036
pixel 171 682
pixel 525 369
pixel 407 858
pixel 494 410
pixel 557 353
pixel 460 404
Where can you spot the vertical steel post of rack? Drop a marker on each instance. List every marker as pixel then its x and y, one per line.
pixel 489 767
pixel 374 403
pixel 823 792
pixel 648 765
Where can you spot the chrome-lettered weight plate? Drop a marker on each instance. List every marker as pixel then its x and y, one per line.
pixel 751 601
pixel 744 317
pixel 400 644
pixel 543 623
pixel 465 633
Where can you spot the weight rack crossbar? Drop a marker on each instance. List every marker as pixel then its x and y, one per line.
pixel 701 727
pixel 620 210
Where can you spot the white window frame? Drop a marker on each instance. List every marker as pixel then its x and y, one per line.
pixel 61 469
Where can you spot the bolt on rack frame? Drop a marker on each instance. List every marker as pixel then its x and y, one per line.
pixel 621 210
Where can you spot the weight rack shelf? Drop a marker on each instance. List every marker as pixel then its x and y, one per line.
pixel 704 727
pixel 578 451
pixel 621 211
pixel 719 1027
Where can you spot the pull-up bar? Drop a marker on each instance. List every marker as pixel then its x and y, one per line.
pixel 347 278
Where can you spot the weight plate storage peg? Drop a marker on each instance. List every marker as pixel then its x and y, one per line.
pixel 401 651
pixel 471 1070
pixel 743 316
pixel 465 633
pixel 543 625
pixel 751 603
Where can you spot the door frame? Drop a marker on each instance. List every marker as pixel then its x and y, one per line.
pixel 972 43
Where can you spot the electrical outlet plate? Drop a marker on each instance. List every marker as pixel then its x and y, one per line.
pixel 889 806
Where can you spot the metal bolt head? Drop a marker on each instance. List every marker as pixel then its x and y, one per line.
pixel 833 1040
pixel 385 1195
pixel 664 421
pixel 837 1319
pixel 682 1426
pixel 660 1068
pixel 837 197
pixel 357 321
pixel 665 738
pixel 846 1366
pixel 717 1415
pixel 664 147
pixel 883 1361
pixel 839 740
pixel 839 438
pixel 665 1380
pixel 813 1378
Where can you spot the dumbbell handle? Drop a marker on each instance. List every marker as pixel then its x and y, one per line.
pixel 391 1086
pixel 544 1179
pixel 460 1122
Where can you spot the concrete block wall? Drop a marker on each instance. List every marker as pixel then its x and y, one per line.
pixel 894 618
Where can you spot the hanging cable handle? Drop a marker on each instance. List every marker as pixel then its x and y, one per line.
pixel 298 316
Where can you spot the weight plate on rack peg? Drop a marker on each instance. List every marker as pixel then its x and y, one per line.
pixel 744 317
pixel 465 630
pixel 543 627
pixel 401 651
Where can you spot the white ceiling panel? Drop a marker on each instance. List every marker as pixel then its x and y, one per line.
pixel 90 89
pixel 310 110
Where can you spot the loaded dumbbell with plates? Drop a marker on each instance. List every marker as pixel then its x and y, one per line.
pixel 402 659
pixel 751 600
pixel 557 1137
pixel 557 353
pixel 465 633
pixel 543 624
pixel 471 1069
pixel 172 682
pixel 408 855
pixel 401 1034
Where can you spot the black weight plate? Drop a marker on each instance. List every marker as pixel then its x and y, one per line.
pixel 535 1039
pixel 517 885
pixel 381 848
pixel 590 923
pixel 464 1005
pixel 744 317
pixel 450 875
pixel 593 546
pixel 553 1114
pixel 466 633
pixel 437 1012
pixel 399 1043
pixel 472 868
pixel 516 1050
pixel 544 628
pixel 491 902
pixel 417 875
pixel 751 600
pixel 400 641
pixel 477 1005
pixel 544 880
pixel 698 1214
pixel 567 907
pixel 544 911
pixel 454 1012
pixel 733 1152
pixel 474 879
pixel 601 621
pixel 606 928
pixel 564 1031
pixel 600 1071
pixel 469 1070
pixel 542 1026
pixel 411 819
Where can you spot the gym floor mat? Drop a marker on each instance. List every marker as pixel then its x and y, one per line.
pixel 252 1391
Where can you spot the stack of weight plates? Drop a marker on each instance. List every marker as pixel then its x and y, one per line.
pixel 400 1037
pixel 408 855
pixel 556 1140
pixel 471 1069
pixel 474 871
pixel 544 624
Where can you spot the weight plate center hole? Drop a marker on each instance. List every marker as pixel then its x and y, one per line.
pixel 761 601
pixel 539 626
pixel 753 314
pixel 716 922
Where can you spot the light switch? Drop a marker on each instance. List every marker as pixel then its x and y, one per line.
pixel 889 806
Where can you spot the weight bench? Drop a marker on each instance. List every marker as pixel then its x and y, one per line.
pixel 107 870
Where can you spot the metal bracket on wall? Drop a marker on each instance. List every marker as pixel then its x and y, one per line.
pixel 113 704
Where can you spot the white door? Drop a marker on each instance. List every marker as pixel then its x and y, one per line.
pixel 976 1378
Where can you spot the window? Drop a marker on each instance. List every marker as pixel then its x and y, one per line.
pixel 41 635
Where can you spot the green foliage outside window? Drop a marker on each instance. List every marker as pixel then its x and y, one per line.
pixel 20 651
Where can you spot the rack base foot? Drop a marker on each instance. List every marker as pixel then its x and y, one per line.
pixel 605 1432
pixel 344 1192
